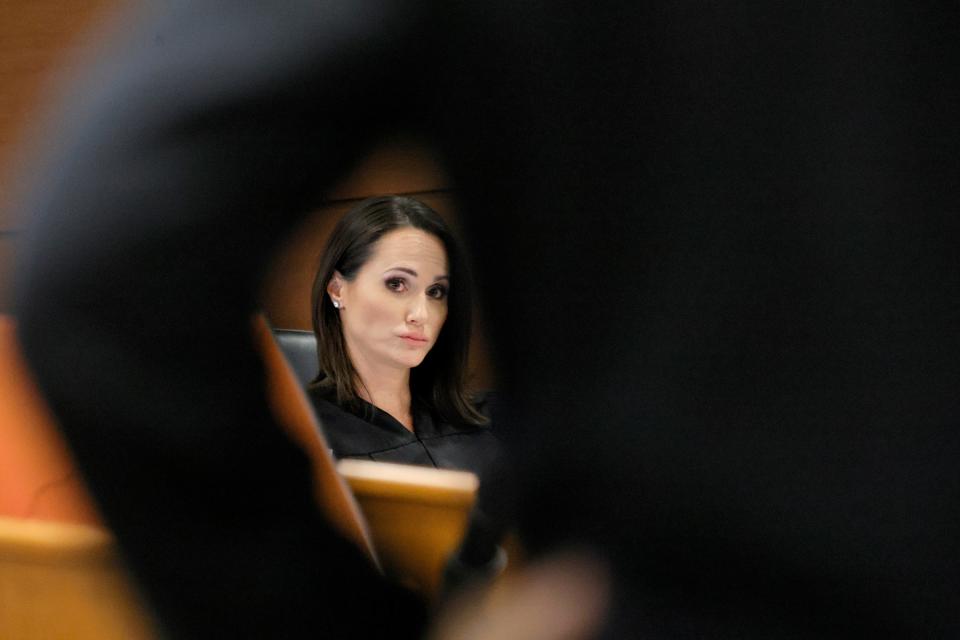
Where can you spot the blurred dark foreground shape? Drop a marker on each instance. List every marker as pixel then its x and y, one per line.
pixel 718 249
pixel 56 556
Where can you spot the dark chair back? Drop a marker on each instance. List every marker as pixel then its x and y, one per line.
pixel 300 349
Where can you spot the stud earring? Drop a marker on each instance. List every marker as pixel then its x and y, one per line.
pixel 336 304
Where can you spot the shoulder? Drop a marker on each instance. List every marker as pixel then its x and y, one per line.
pixel 331 416
pixel 351 435
pixel 340 427
pixel 323 401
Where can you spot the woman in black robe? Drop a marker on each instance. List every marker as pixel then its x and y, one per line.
pixel 391 313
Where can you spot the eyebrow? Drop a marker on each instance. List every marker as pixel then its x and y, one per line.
pixel 414 273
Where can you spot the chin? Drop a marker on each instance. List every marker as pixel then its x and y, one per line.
pixel 412 361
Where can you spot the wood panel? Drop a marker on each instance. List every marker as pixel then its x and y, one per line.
pixel 36 41
pixel 36 38
pixel 8 246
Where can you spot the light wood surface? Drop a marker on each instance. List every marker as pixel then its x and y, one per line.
pixel 61 580
pixel 417 516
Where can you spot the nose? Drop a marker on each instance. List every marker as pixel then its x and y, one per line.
pixel 418 310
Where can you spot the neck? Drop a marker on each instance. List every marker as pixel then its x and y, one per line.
pixel 386 388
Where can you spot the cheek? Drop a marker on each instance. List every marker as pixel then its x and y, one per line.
pixel 380 315
pixel 372 319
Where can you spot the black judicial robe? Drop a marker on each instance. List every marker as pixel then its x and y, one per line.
pixel 373 434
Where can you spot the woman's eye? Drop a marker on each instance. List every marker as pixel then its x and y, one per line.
pixel 396 284
pixel 438 293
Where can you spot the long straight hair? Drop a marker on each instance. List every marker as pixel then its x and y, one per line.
pixel 438 383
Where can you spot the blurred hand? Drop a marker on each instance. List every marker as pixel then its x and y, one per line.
pixel 561 597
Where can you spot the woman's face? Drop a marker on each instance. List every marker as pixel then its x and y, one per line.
pixel 394 308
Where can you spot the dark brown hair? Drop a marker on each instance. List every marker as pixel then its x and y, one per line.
pixel 438 383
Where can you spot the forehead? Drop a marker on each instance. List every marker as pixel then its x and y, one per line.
pixel 412 248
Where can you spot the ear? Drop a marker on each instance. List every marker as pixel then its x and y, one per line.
pixel 336 286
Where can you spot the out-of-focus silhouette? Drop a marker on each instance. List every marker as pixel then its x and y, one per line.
pixel 718 247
